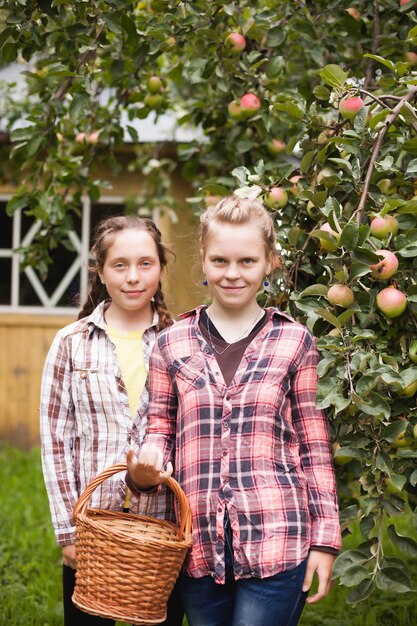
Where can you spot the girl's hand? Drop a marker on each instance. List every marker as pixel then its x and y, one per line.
pixel 146 469
pixel 322 563
pixel 68 555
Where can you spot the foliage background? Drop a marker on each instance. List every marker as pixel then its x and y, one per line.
pixel 88 64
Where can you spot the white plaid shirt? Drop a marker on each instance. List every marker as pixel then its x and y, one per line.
pixel 86 422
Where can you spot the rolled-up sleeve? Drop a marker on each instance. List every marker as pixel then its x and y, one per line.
pixel 163 403
pixel 57 439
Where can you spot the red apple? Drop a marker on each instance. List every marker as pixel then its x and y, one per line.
pixel 354 12
pixel 154 84
pixel 235 42
pixel 349 106
pixel 276 146
pixel 340 295
pixel 386 267
pixel 250 104
pixel 294 179
pixel 391 302
pixel 381 227
pixel 329 246
pixel 276 198
pixel 411 58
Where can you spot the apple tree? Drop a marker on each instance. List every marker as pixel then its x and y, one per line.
pixel 309 105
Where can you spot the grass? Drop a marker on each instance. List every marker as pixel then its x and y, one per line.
pixel 30 562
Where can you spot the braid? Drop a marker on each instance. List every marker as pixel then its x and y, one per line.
pixel 165 318
pixel 96 294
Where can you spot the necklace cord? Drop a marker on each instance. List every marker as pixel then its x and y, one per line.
pixel 244 334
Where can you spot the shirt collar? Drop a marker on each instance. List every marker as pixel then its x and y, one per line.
pixel 96 318
pixel 272 312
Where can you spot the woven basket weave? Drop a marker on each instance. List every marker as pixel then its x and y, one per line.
pixel 127 564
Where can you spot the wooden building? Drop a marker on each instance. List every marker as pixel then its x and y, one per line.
pixel 31 311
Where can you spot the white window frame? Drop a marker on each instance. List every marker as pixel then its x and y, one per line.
pixel 80 264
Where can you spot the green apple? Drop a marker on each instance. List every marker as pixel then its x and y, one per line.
pixel 402 441
pixel 340 459
pixel 412 351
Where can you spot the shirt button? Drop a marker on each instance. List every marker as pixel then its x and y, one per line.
pixel 219 510
pixel 225 452
pixel 83 374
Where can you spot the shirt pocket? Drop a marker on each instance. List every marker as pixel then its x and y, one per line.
pixel 189 373
pixel 95 397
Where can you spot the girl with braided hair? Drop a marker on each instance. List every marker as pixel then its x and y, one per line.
pixel 93 397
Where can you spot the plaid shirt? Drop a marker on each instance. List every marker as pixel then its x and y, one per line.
pixel 86 422
pixel 259 447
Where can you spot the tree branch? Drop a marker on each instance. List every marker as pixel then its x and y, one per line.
pixel 390 119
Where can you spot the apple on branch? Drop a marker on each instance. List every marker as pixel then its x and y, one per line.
pixel 235 110
pixel 250 104
pixel 340 295
pixel 391 302
pixel 276 146
pixel 154 84
pixel 385 268
pixel 276 198
pixel 325 244
pixel 381 227
pixel 236 43
pixel 350 106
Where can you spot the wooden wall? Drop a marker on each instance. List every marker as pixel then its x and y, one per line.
pixel 24 341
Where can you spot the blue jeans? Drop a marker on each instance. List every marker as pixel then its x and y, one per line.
pixel 274 601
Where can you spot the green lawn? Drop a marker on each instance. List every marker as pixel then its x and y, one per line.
pixel 30 563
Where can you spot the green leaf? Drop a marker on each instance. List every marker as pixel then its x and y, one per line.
pixel 362 591
pixel 348 559
pixel 394 580
pixel 365 256
pixel 314 290
pixel 275 37
pixel 375 405
pixel 358 269
pixel 78 106
pixel 333 75
pixel 329 317
pixel 380 59
pixel 350 236
pixel 354 575
pixel 383 462
pixel 112 23
pixel 405 544
pixel 214 189
pixel 410 146
pixel 274 67
pixel 321 92
pixel 291 108
pixel 406 453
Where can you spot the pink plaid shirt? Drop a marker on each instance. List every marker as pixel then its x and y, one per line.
pixel 259 447
pixel 86 422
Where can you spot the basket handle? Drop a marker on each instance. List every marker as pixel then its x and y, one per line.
pixel 80 507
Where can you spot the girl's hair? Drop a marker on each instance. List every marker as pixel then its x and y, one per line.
pixel 104 236
pixel 235 210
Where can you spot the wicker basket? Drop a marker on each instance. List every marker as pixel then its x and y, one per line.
pixel 127 564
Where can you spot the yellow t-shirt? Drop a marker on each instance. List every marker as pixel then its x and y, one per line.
pixel 129 354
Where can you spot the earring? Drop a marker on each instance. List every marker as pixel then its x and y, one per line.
pixel 205 282
pixel 266 283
